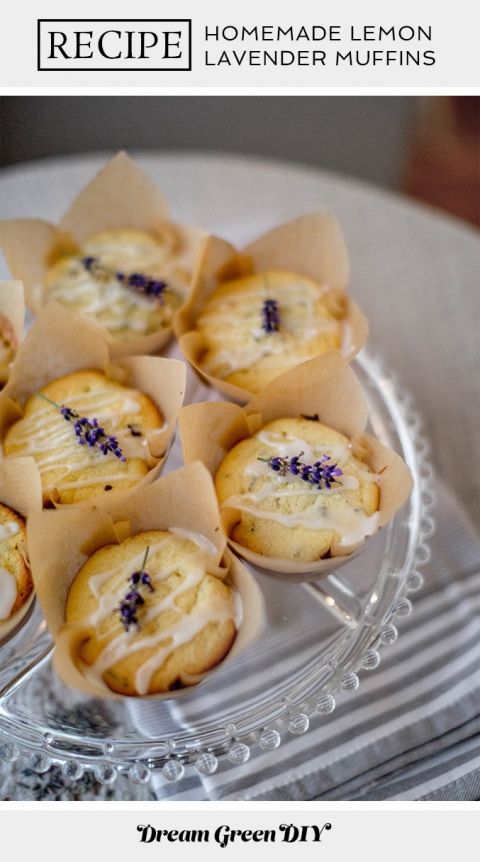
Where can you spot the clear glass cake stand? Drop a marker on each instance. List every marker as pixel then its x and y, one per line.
pixel 353 616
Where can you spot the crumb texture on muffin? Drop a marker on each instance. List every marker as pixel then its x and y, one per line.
pixel 257 327
pixel 8 346
pixel 15 579
pixel 183 625
pixel 71 472
pixel 284 515
pixel 126 312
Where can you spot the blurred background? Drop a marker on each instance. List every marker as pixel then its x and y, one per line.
pixel 427 147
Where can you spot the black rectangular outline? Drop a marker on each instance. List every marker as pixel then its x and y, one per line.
pixel 113 21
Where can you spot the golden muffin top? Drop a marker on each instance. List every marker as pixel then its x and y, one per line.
pixel 86 433
pixel 299 489
pixel 8 346
pixel 156 611
pixel 130 281
pixel 15 579
pixel 259 326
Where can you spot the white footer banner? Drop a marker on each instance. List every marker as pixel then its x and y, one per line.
pixel 320 832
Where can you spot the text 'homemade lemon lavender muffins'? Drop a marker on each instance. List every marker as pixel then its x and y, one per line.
pixel 253 315
pixel 301 486
pixel 114 256
pixel 139 591
pixel 87 435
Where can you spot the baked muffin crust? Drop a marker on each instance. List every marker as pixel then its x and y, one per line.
pixel 259 326
pixel 281 514
pixel 71 472
pixel 15 579
pixel 184 625
pixel 127 313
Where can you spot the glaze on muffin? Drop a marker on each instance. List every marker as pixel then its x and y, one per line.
pixel 286 509
pixel 156 613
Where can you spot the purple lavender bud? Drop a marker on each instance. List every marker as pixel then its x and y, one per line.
pixel 157 288
pixel 305 472
pixel 68 413
pixel 133 599
pixel 90 433
pixel 270 316
pixel 89 263
pixel 320 474
pixel 136 280
pixel 146 580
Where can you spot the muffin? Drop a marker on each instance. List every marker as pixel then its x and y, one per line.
pixel 257 327
pixel 87 434
pixel 8 346
pixel 130 281
pixel 155 612
pixel 15 580
pixel 301 490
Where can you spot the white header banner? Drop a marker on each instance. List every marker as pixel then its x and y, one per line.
pixel 408 45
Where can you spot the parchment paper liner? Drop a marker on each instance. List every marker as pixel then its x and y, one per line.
pixel 61 342
pixel 120 196
pixel 21 490
pixel 312 246
pixel 325 387
pixel 61 541
pixel 12 309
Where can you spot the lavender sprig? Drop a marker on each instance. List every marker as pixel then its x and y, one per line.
pixel 270 316
pixel 151 287
pixel 88 431
pixel 133 600
pixel 321 474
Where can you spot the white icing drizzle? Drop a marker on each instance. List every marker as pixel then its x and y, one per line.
pixel 288 446
pixel 118 307
pixel 8 593
pixel 351 524
pixel 11 528
pixel 240 315
pixel 348 521
pixel 51 440
pixel 8 583
pixel 184 553
pixel 201 541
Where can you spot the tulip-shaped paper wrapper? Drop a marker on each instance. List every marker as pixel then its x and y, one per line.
pixel 325 388
pixel 120 197
pixel 311 246
pixel 61 342
pixel 61 541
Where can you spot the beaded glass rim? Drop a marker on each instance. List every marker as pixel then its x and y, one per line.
pixel 305 699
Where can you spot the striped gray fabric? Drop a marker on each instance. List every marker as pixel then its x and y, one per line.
pixel 410 732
